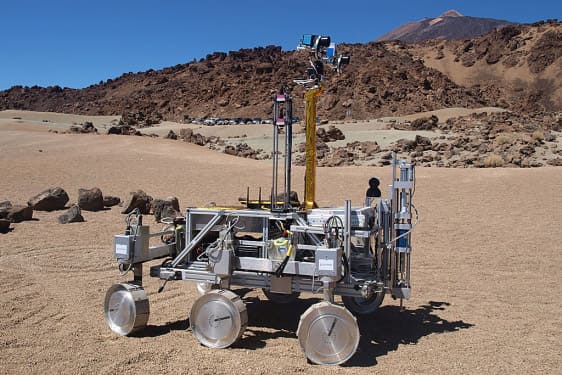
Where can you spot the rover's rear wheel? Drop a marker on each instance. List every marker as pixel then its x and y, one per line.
pixel 363 306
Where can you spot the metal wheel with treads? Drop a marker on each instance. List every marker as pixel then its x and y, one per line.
pixel 126 308
pixel 218 318
pixel 328 334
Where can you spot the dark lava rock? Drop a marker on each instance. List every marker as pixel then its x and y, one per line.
pixel 49 200
pixel 171 135
pixel 19 213
pixel 85 128
pixel 110 201
pixel 138 199
pixel 73 215
pixel 165 208
pixel 425 123
pixel 90 199
pixel 4 226
pixel 4 208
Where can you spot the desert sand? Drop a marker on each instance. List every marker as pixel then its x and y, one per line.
pixel 485 269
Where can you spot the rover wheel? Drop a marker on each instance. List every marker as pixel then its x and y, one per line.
pixel 328 334
pixel 218 318
pixel 363 306
pixel 126 308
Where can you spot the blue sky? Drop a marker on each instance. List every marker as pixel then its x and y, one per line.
pixel 75 43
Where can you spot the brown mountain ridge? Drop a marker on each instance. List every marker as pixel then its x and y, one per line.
pixel 517 67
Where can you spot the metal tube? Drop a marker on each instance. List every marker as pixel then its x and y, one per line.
pixel 347 237
pixel 275 162
pixel 197 238
pixel 311 97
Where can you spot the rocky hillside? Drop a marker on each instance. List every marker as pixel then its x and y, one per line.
pixel 449 25
pixel 518 66
pixel 390 78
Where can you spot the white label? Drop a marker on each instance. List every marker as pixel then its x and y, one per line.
pixel 325 264
pixel 121 249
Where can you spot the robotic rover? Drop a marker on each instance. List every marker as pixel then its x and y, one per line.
pixel 280 245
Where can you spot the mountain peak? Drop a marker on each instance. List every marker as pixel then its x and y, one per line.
pixel 452 13
pixel 449 25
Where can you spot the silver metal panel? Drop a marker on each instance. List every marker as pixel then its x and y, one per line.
pixel 142 237
pixel 123 246
pixel 403 184
pixel 404 293
pixel 328 262
pixel 282 284
pixel 223 266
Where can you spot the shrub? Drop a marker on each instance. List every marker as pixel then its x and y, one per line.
pixel 493 161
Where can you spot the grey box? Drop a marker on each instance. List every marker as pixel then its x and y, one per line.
pixel 223 266
pixel 123 246
pixel 328 262
pixel 281 284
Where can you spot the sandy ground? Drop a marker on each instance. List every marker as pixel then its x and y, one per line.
pixel 486 267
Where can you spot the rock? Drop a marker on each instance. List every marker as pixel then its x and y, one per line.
pixel 138 199
pixel 370 147
pixel 404 145
pixel 186 134
pixel 110 201
pixel 425 123
pixel 422 143
pixel 49 200
pixel 19 213
pixel 73 215
pixel 90 199
pixel 165 208
pixel 123 130
pixel 330 135
pixel 141 119
pixel 4 208
pixel 171 135
pixel 335 133
pixel 85 128
pixel 4 226
pixel 555 162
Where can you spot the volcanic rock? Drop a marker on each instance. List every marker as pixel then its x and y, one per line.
pixel 4 226
pixel 49 200
pixel 110 201
pixel 85 128
pixel 123 130
pixel 90 199
pixel 165 208
pixel 5 206
pixel 425 123
pixel 138 199
pixel 330 135
pixel 19 213
pixel 171 135
pixel 72 215
pixel 141 119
